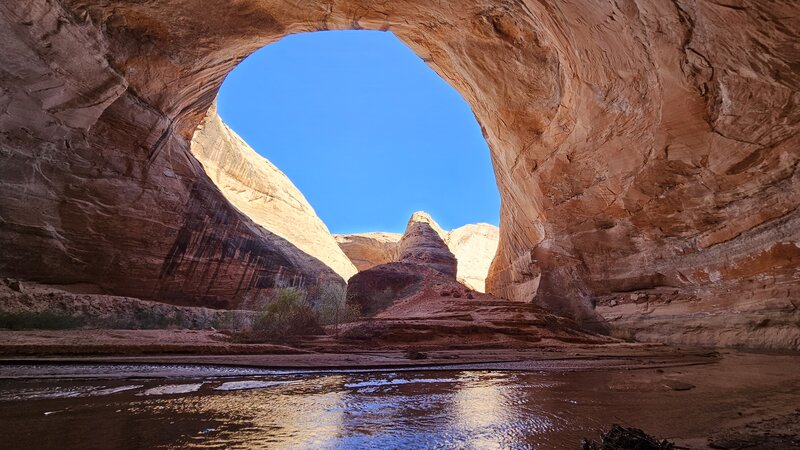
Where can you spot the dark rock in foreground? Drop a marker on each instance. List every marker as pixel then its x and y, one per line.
pixel 621 438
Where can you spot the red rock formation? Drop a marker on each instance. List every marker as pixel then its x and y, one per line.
pixel 644 147
pixel 473 245
pixel 423 244
pixel 422 257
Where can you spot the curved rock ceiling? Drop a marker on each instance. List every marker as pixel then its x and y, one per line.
pixel 646 151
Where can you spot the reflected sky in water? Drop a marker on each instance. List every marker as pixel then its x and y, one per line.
pixel 409 410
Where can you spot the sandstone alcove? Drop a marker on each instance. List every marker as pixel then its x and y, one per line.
pixel 646 155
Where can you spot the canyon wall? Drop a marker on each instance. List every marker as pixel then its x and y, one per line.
pixel 98 188
pixel 260 190
pixel 643 149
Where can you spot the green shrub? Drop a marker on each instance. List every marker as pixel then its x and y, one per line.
pixel 287 315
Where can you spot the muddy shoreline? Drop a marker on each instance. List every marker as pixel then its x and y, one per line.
pixel 209 347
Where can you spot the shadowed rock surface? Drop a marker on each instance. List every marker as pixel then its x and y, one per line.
pixel 421 256
pixel 423 244
pixel 640 148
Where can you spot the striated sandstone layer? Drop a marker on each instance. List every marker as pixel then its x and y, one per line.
pixel 412 304
pixel 639 146
pixel 265 194
pixel 422 258
pixel 423 244
pixel 418 300
pixel 99 185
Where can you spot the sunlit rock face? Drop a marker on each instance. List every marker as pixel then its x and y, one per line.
pixel 260 190
pixel 473 245
pixel 367 250
pixel 640 148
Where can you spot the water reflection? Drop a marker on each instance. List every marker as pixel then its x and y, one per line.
pixel 368 410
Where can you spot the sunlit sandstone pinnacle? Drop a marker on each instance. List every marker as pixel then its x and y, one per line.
pixel 260 190
pixel 646 152
pixel 473 245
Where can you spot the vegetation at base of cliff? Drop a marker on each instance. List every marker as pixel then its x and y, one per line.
pixel 138 319
pixel 38 321
pixel 291 311
pixel 294 312
pixel 288 314
pixel 333 308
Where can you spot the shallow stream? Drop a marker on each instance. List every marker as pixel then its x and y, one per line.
pixel 172 406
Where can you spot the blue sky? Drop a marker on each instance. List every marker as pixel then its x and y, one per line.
pixel 365 129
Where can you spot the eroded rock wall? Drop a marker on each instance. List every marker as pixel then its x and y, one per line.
pixel 423 244
pixel 99 189
pixel 265 194
pixel 642 146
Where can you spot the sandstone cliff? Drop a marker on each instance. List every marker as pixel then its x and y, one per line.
pixel 640 148
pixel 260 190
pixel 99 186
pixel 368 250
pixel 474 246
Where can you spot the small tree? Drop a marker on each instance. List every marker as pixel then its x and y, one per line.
pixel 333 307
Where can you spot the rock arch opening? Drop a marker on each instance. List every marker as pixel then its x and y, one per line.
pixel 368 134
